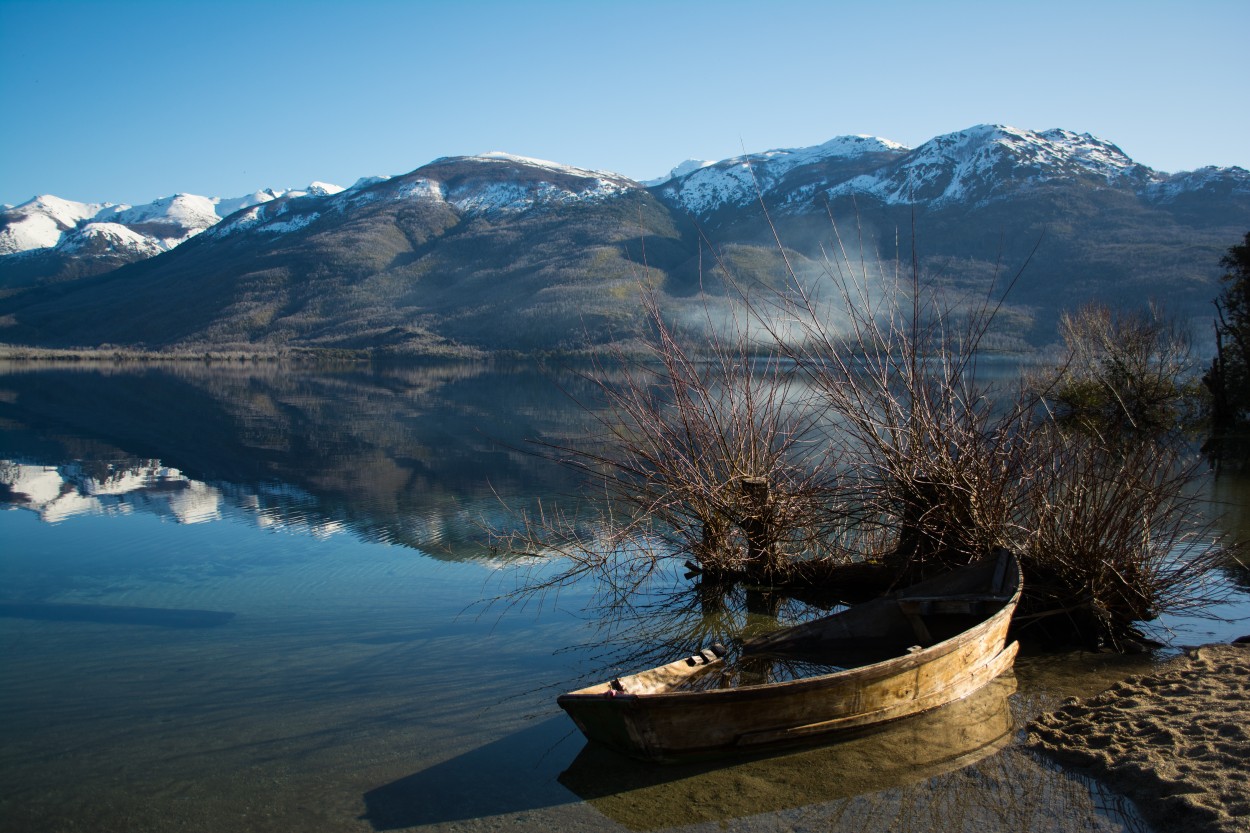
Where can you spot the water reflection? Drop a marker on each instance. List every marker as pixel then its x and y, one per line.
pixel 412 455
pixel 644 797
pixel 161 671
pixel 952 769
pixel 1230 495
pixel 60 492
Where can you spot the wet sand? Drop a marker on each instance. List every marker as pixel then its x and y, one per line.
pixel 1176 741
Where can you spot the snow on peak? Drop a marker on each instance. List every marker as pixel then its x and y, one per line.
pixel 49 222
pixel 512 157
pixel 687 167
pixel 980 163
pixel 740 180
pixel 472 185
pixel 366 181
pixel 480 197
pixel 144 230
pixel 1088 148
pixel 244 218
pixel 857 145
pixel 190 212
pixel 226 207
pixel 110 238
pixel 555 167
pixel 41 222
pixel 987 159
pixel 324 189
pixel 66 212
pixel 1210 179
pixel 273 211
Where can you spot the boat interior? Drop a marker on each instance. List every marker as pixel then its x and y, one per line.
pixel 908 621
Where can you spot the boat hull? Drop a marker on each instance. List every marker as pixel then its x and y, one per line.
pixel 642 796
pixel 643 717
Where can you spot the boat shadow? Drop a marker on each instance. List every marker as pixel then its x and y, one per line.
pixel 522 772
pixel 643 796
pixel 514 774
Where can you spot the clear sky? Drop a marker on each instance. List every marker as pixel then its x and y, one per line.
pixel 128 101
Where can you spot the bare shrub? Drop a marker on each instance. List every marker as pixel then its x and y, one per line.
pixel 1124 374
pixel 861 431
pixel 706 456
pixel 1115 535
pixel 1108 519
pixel 934 456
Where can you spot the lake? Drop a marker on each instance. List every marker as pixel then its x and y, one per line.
pixel 255 597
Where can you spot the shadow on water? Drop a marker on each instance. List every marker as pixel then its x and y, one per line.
pixel 647 797
pixel 482 782
pixel 115 614
pixel 954 768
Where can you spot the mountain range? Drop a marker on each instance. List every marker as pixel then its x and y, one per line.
pixel 479 254
pixel 57 238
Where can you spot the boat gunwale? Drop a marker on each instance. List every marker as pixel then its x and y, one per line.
pixel 873 671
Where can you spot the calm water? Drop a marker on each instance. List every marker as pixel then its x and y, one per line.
pixel 250 598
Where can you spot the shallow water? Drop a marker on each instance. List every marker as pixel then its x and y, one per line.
pixel 250 598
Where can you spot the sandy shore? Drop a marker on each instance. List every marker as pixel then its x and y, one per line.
pixel 1177 741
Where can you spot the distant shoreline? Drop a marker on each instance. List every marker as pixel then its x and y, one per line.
pixel 329 355
pixel 208 355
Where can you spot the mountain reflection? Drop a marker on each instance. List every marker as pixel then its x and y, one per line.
pixel 418 456
pixel 61 492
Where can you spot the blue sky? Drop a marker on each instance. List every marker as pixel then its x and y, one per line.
pixel 129 101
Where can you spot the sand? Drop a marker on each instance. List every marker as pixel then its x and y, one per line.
pixel 1176 742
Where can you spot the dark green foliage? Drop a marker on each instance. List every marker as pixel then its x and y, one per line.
pixel 1228 379
pixel 1125 374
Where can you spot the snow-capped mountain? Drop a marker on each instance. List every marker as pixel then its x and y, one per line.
pixel 473 185
pixel 973 166
pixel 40 223
pixel 739 181
pixel 1211 181
pixel 987 161
pixel 470 254
pixel 490 183
pixel 115 240
pixel 687 167
pixel 499 181
pixel 49 224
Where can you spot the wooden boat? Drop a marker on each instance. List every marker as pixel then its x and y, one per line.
pixel 897 756
pixel 914 650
